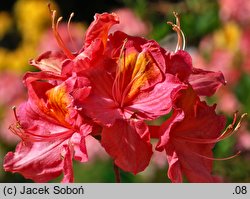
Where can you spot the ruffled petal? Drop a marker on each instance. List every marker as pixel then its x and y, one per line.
pixel 191 119
pixel 40 161
pixel 99 28
pixel 50 62
pixel 174 170
pixel 79 145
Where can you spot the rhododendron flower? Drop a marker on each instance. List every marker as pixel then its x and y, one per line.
pixel 204 82
pixel 128 83
pixel 128 87
pixel 189 136
pixel 64 62
pixel 51 129
pixel 110 89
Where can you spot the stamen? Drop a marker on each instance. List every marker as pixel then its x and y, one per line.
pixel 123 69
pixel 220 159
pixel 230 130
pixel 16 128
pixel 116 89
pixel 15 114
pixel 60 42
pixel 69 34
pixel 181 42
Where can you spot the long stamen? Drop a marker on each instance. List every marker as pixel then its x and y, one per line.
pixel 181 42
pixel 230 130
pixel 15 114
pixel 123 69
pixel 16 128
pixel 211 158
pixel 69 34
pixel 116 85
pixel 57 35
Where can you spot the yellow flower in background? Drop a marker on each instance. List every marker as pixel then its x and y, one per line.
pixel 228 37
pixel 32 19
pixel 5 23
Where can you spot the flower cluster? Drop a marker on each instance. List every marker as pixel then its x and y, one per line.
pixel 111 89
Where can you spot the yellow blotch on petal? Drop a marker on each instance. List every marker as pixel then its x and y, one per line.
pixel 58 103
pixel 136 71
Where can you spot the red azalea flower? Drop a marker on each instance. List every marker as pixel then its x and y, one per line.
pixel 189 136
pixel 204 82
pixel 132 80
pixel 51 129
pixel 63 62
pixel 129 84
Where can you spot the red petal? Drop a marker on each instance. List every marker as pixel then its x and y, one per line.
pixel 174 170
pixel 67 167
pixel 205 82
pixel 128 143
pixel 179 64
pixel 99 28
pixel 192 119
pixel 156 102
pixel 38 161
pixel 50 61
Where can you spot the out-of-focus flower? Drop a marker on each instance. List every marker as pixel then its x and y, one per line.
pixel 130 23
pixel 228 37
pixel 72 36
pixel 245 51
pixel 6 135
pixel 95 150
pixel 236 10
pixel 227 101
pixel 31 23
pixel 8 81
pixel 30 20
pixel 222 51
pixel 11 93
pixel 5 23
pixel 243 139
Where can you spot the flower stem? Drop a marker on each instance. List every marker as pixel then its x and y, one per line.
pixel 117 174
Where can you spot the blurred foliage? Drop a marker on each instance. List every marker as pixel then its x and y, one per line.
pixel 242 91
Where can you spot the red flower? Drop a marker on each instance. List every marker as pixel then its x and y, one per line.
pixel 205 83
pixel 62 62
pixel 115 83
pixel 51 129
pixel 189 136
pixel 129 85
